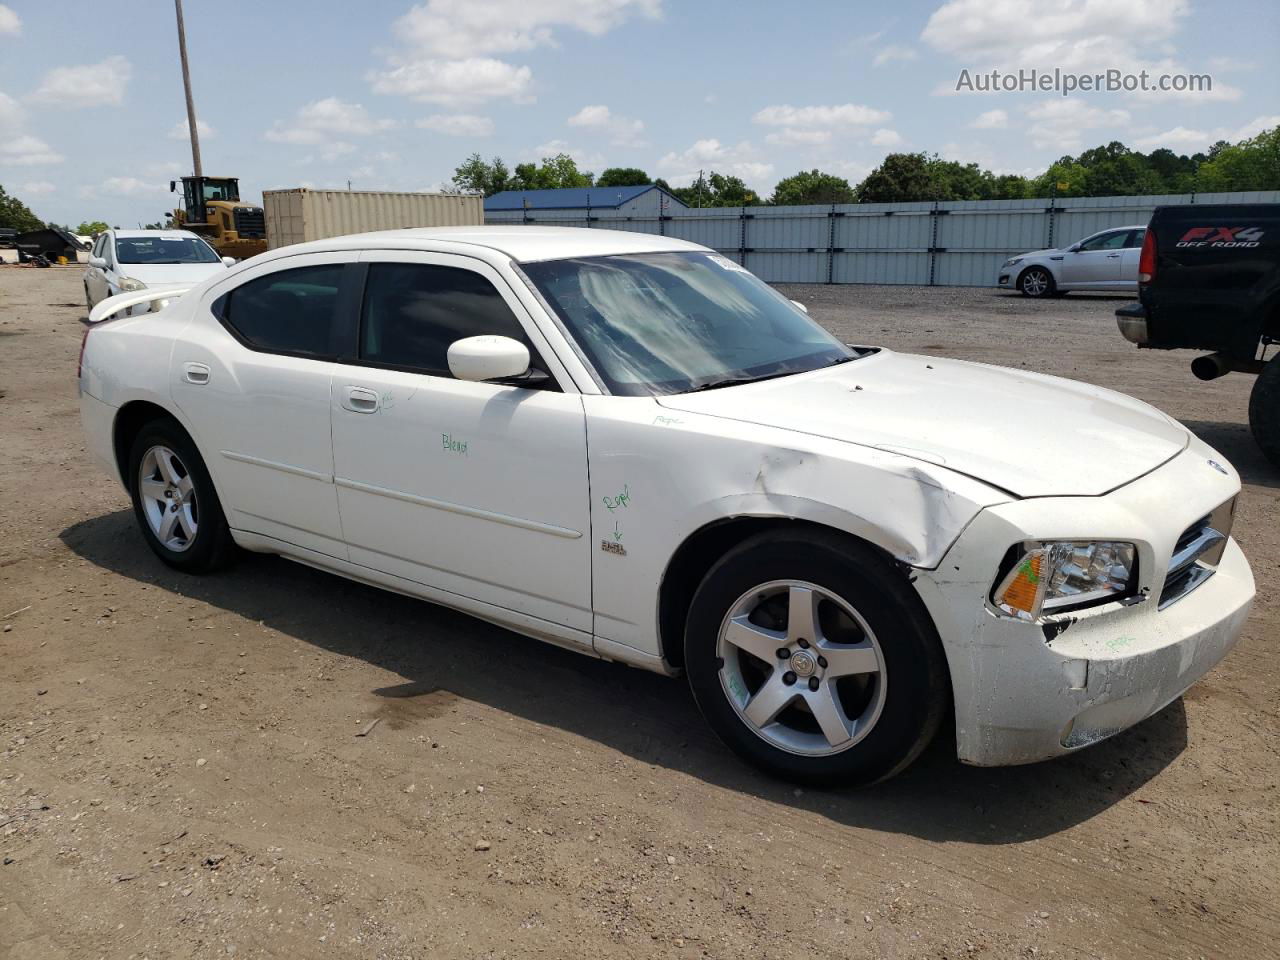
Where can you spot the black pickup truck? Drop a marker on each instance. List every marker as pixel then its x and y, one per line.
pixel 1209 279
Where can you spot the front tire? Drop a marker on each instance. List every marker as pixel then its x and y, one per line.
pixel 1264 410
pixel 174 500
pixel 1036 282
pixel 812 658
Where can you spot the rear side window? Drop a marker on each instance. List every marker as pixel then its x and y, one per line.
pixel 1136 238
pixel 414 311
pixel 287 312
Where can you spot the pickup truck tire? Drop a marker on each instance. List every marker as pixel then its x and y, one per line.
pixel 1264 410
pixel 1036 282
pixel 813 659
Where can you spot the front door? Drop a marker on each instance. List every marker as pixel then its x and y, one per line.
pixel 1097 261
pixel 478 489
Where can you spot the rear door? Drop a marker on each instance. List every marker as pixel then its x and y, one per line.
pixel 252 374
pixel 1129 259
pixel 478 489
pixel 1096 263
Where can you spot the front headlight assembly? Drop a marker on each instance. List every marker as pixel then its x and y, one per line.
pixel 1012 261
pixel 1058 575
pixel 130 285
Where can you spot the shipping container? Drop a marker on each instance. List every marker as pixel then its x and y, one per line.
pixel 301 214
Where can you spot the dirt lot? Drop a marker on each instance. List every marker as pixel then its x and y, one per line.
pixel 181 774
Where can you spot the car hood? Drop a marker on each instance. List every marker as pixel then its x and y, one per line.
pixel 1025 433
pixel 1037 253
pixel 170 274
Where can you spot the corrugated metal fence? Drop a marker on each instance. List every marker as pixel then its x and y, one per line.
pixel 950 243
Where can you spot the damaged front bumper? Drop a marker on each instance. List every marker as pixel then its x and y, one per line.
pixel 1030 691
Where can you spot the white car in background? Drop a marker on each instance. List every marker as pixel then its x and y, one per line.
pixel 126 261
pixel 1107 260
pixel 630 446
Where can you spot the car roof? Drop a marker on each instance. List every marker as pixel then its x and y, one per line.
pixel 151 233
pixel 519 242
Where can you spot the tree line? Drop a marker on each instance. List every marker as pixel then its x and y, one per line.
pixel 1112 170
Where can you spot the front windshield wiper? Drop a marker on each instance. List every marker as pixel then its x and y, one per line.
pixel 737 381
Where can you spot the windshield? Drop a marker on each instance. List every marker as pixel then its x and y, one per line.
pixel 164 250
pixel 221 190
pixel 659 323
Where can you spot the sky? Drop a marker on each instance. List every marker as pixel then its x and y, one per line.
pixel 392 95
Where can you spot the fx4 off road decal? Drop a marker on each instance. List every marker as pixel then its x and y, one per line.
pixel 1225 237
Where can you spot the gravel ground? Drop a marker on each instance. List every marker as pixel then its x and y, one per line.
pixel 181 776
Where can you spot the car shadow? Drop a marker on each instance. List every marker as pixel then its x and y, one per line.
pixel 650 718
pixel 1235 442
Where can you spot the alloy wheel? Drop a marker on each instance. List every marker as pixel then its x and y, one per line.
pixel 168 498
pixel 801 667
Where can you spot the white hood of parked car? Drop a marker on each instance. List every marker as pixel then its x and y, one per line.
pixel 1029 434
pixel 170 274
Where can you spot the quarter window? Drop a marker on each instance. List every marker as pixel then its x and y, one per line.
pixel 287 312
pixel 414 311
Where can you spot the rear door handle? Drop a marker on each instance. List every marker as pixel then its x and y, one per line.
pixel 197 373
pixel 1112 256
pixel 360 400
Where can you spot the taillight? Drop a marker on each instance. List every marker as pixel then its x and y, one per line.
pixel 1147 260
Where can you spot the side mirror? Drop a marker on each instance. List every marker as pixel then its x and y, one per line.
pixel 98 262
pixel 487 358
pixel 173 185
pixel 1074 248
pixel 229 261
pixel 797 303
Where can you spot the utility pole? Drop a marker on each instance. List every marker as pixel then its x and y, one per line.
pixel 186 83
pixel 699 178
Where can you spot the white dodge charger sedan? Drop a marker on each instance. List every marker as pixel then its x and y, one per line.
pixel 1107 260
pixel 630 446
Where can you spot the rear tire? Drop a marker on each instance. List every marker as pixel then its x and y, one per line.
pixel 862 687
pixel 1036 282
pixel 174 501
pixel 1264 410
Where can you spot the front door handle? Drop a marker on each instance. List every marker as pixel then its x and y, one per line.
pixel 1112 256
pixel 360 400
pixel 197 373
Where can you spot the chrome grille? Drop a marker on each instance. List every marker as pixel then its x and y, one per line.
pixel 1197 553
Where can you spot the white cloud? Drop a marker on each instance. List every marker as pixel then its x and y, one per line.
pixel 323 120
pixel 457 124
pixel 893 52
pixel 124 187
pixel 991 120
pixel 844 115
pixel 1060 123
pixel 585 159
pixel 458 29
pixel 448 45
pixel 35 188
pixel 1079 36
pixel 741 160
pixel 623 131
pixel 179 130
pixel 10 22
pixel 1191 140
pixel 25 150
pixel 886 138
pixel 11 114
pixel 454 81
pixel 789 136
pixel 88 85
